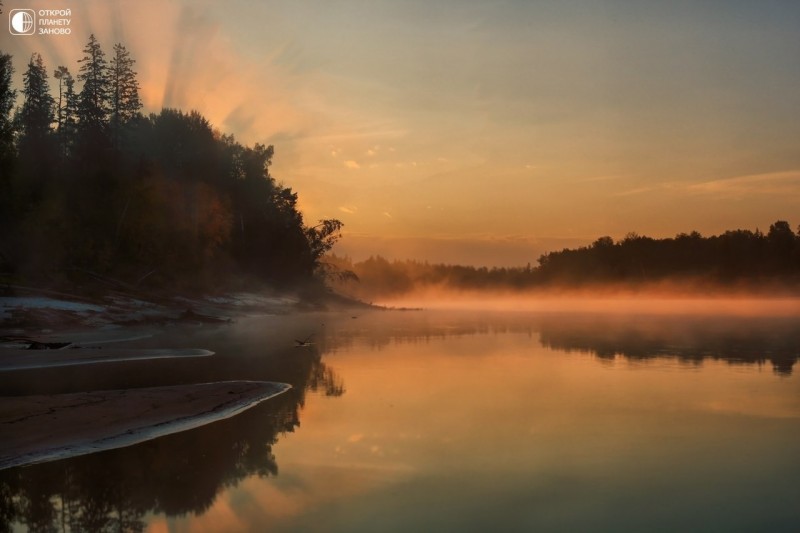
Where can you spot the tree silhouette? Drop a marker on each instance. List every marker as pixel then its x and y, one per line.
pixel 93 100
pixel 322 237
pixel 60 74
pixel 124 87
pixel 7 97
pixel 33 121
pixel 36 115
pixel 67 109
pixel 7 149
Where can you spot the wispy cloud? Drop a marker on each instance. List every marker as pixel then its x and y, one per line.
pixel 348 210
pixel 352 164
pixel 785 182
pixel 601 178
pixel 642 190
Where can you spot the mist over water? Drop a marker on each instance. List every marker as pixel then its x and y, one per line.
pixel 609 300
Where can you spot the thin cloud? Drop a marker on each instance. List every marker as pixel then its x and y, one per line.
pixel 348 210
pixel 601 178
pixel 785 182
pixel 352 164
pixel 639 190
pixel 367 131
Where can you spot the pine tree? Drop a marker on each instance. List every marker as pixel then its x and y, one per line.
pixel 67 109
pixel 60 73
pixel 7 98
pixel 36 148
pixel 36 114
pixel 125 103
pixel 93 101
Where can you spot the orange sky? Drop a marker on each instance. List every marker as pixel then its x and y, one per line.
pixel 482 132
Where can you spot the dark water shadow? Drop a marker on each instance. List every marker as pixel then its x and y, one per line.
pixel 173 475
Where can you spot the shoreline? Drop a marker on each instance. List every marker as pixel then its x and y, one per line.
pixel 40 311
pixel 46 428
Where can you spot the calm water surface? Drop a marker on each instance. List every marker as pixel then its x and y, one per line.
pixel 451 421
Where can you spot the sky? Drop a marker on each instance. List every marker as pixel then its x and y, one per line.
pixel 481 132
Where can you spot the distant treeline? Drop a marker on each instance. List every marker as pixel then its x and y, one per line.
pixel 89 186
pixel 743 258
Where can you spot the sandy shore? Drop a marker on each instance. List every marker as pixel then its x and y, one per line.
pixel 36 429
pixel 45 311
pixel 39 428
pixel 12 359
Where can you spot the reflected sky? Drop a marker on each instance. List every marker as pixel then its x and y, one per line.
pixel 469 424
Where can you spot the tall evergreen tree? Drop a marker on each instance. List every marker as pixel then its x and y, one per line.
pixel 60 74
pixel 36 115
pixel 124 96
pixel 67 109
pixel 93 100
pixel 7 97
pixel 37 152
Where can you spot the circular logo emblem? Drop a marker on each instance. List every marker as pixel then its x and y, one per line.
pixel 22 22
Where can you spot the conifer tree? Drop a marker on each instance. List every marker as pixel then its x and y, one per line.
pixel 36 114
pixel 67 109
pixel 124 95
pixel 60 74
pixel 7 97
pixel 35 141
pixel 93 100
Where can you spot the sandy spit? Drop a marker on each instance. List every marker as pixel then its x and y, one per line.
pixel 44 428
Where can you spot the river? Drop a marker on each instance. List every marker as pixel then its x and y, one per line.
pixel 449 421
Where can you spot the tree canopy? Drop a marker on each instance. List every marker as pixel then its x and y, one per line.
pixel 91 186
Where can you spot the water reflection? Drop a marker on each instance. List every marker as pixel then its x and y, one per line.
pixel 735 340
pixel 440 407
pixel 691 339
pixel 467 422
pixel 174 475
pixel 178 474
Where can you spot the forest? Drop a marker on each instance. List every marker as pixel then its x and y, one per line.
pixel 736 259
pixel 92 189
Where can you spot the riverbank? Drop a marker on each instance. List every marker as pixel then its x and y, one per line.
pixel 31 310
pixel 86 340
pixel 45 428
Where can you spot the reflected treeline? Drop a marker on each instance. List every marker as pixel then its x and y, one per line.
pixel 735 340
pixel 690 338
pixel 177 474
pixel 173 475
pixel 380 329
